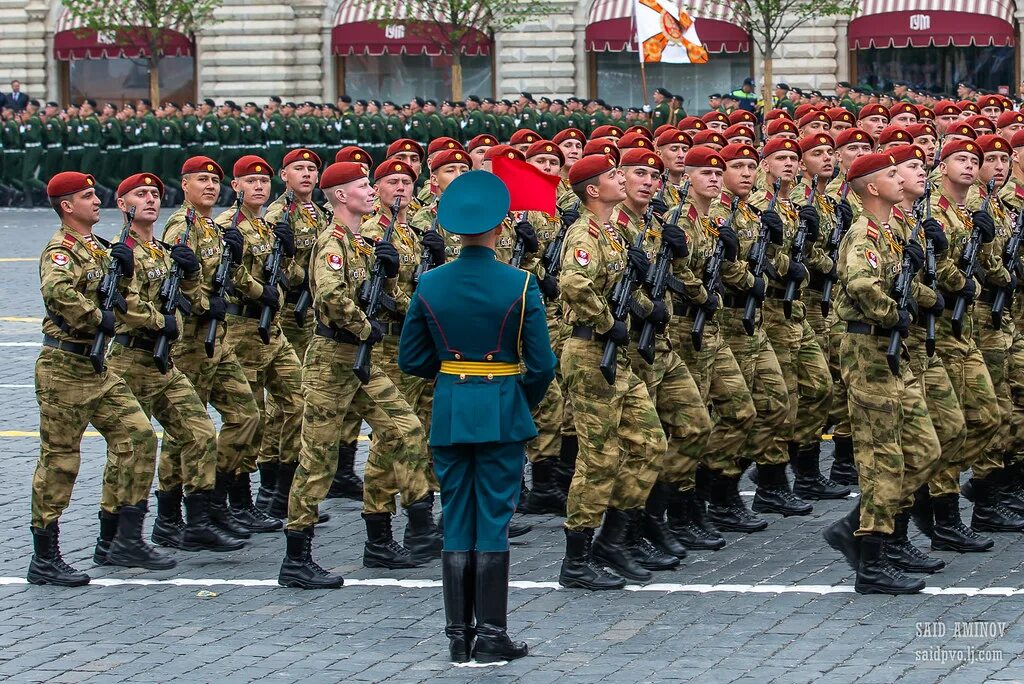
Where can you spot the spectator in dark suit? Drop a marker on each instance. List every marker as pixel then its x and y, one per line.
pixel 16 99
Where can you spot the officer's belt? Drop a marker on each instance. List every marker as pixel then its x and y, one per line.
pixel 734 301
pixel 479 368
pixel 135 342
pixel 335 334
pixel 585 332
pixel 71 347
pixel 246 310
pixel 859 328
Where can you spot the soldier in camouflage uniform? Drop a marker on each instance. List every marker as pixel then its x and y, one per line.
pixel 444 168
pixel 340 262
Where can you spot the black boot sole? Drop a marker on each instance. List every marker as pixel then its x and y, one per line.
pixel 35 578
pixel 917 569
pixel 215 548
pixel 166 541
pixel 626 573
pixel 391 565
pixel 113 560
pixel 297 583
pixel 818 495
pixel 497 657
pixel 885 589
pixel 759 506
pixel 583 584
pixel 994 527
pixel 747 528
pixel 940 545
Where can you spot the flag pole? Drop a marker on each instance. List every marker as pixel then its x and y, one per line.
pixel 640 52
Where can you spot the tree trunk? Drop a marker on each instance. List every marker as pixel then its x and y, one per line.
pixel 457 73
pixel 767 85
pixel 154 80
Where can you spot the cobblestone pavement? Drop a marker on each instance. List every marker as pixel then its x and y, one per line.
pixel 777 606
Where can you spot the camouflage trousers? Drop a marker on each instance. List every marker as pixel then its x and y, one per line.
pixel 173 401
pixel 1015 380
pixel 828 334
pixel 70 396
pixel 331 391
pixel 763 375
pixel 995 346
pixel 895 445
pixel 973 386
pixel 298 337
pixel 272 368
pixel 220 382
pixel 549 416
pixel 806 371
pixel 620 435
pixel 681 409
pixel 721 384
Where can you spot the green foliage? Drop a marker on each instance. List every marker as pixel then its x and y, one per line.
pixel 129 17
pixel 453 20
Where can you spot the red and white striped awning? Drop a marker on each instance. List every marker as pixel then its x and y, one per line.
pixel 357 31
pixel 939 23
pixel 610 26
pixel 72 41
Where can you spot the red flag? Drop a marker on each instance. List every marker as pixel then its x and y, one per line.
pixel 530 188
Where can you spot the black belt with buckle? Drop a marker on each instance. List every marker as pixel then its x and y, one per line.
pixel 70 347
pixel 245 310
pixel 584 332
pixel 859 328
pixel 135 342
pixel 336 334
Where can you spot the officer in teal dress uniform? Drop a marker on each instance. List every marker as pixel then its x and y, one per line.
pixel 478 328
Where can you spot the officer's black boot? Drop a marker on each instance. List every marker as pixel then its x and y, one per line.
pixel 990 515
pixel 245 511
pixel 491 607
pixel 773 494
pixel 200 534
pixel 220 514
pixel 458 572
pixel 299 570
pixel 1013 489
pixel 726 509
pixel 904 555
pixel 169 526
pixel 840 536
pixel 809 483
pixel 567 461
pixel 579 569
pixel 346 484
pixel 646 554
pixel 421 538
pixel 922 512
pixel 686 519
pixel 844 469
pixel 702 483
pixel 381 550
pixel 129 549
pixel 654 526
pixel 47 565
pixel 268 483
pixel 545 495
pixel 108 529
pixel 876 575
pixel 612 547
pixel 950 533
pixel 279 504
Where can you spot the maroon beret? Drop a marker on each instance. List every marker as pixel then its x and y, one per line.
pixel 868 164
pixel 301 154
pixel 340 173
pixel 545 147
pixel 445 157
pixel 404 145
pixel 249 165
pixel 140 180
pixel 780 145
pixel 68 183
pixel 734 151
pixel 905 153
pixel 636 156
pixel 701 156
pixel 590 166
pixel 353 153
pixel 201 165
pixel 809 142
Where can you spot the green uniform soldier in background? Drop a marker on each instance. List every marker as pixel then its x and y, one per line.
pixel 32 143
pixel 54 132
pixel 73 140
pixel 112 150
pixel 148 137
pixel 13 154
pixel 90 138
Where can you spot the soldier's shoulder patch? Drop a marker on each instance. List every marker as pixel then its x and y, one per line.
pixel 334 261
pixel 60 259
pixel 871 257
pixel 69 241
pixel 943 203
pixel 719 221
pixel 1019 192
pixel 582 256
pixel 872 232
pixel 692 214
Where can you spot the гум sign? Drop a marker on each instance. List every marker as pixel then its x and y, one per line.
pixel 920 22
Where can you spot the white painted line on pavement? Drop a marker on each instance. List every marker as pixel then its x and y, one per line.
pixel 21 344
pixel 665 588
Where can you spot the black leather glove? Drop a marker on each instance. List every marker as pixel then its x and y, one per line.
pixel 969 291
pixel 218 307
pixel 659 314
pixel 758 289
pixel 549 287
pixel 711 304
pixel 914 252
pixel 433 241
pixel 526 233
pixel 903 325
pixel 376 332
pixel 570 216
pixel 984 223
pixel 797 272
pixel 659 206
pixel 933 231
pixel 386 254
pixel 638 261
pixel 845 214
pixel 107 323
pixel 730 241
pixel 186 259
pixel 913 309
pixel 270 297
pixel 809 215
pixel 122 254
pixel 170 327
pixel 939 306
pixel 673 236
pixel 773 223
pixel 286 236
pixel 235 243
pixel 618 333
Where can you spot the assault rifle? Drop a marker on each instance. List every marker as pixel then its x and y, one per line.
pixel 658 280
pixel 171 299
pixel 272 269
pixel 110 299
pixel 797 255
pixel 758 259
pixel 222 281
pixel 373 295
pixel 969 263
pixel 834 238
pixel 712 278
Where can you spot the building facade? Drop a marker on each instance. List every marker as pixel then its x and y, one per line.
pixel 317 49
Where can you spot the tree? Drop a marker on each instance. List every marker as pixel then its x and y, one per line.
pixel 454 24
pixel 145 22
pixel 769 23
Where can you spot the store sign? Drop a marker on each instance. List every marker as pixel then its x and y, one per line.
pixel 394 32
pixel 920 22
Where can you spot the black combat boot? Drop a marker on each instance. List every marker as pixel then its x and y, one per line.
pixel 129 549
pixel 169 526
pixel 686 519
pixel 726 509
pixel 990 515
pixel 299 570
pixel 220 514
pixel 840 536
pixel 422 539
pixel 200 534
pixel 545 497
pixel 1013 489
pixel 923 513
pixel 567 462
pixel 809 484
pixel 245 511
pixel 612 547
pixel 279 503
pixel 579 569
pixel 654 526
pixel 491 607
pixel 875 575
pixel 458 571
pixel 646 554
pixel 108 529
pixel 268 483
pixel 47 565
pixel 844 469
pixel 381 550
pixel 346 484
pixel 702 483
pixel 773 494
pixel 904 555
pixel 950 533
